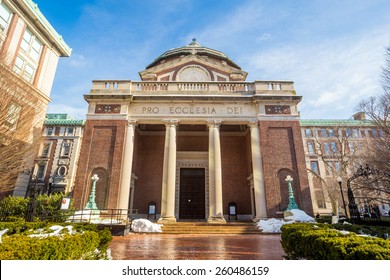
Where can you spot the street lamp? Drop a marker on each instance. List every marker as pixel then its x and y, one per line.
pixel 291 201
pixel 339 180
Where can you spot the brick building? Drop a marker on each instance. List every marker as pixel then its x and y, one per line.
pixel 191 137
pixel 29 52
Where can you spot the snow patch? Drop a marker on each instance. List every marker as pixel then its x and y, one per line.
pixel 143 225
pixel 275 225
pixel 299 216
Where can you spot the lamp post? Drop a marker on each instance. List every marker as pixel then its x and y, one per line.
pixel 339 180
pixel 91 205
pixel 291 201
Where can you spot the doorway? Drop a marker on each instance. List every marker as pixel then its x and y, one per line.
pixel 192 193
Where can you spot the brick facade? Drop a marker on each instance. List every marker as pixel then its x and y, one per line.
pixel 283 154
pixel 101 153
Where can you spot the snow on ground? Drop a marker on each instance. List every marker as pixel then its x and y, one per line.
pixel 275 225
pixel 299 216
pixel 143 225
pixel 56 231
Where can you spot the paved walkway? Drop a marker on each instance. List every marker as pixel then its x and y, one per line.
pixel 196 247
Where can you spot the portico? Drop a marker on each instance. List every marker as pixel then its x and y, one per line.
pixel 193 146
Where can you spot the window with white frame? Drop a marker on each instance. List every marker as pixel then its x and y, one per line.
pixel 5 16
pixel 65 152
pixel 31 45
pixel 308 132
pixel 70 131
pixel 326 148
pixel 13 115
pixel 24 69
pixel 27 60
pixel 45 149
pixel 50 131
pixel 40 171
pixel 310 147
pixel 314 167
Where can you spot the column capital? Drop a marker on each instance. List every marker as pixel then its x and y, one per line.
pixel 253 124
pixel 132 122
pixel 171 123
pixel 214 124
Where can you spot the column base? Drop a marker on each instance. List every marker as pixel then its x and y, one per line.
pixel 166 220
pixel 216 220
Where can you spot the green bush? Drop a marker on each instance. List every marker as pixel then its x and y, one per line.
pixel 89 243
pixel 45 208
pixel 322 242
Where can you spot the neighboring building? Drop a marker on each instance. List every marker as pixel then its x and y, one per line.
pixel 56 163
pixel 29 48
pixel 192 137
pixel 332 151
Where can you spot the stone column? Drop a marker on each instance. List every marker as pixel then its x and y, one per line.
pixel 124 191
pixel 215 175
pixel 258 176
pixel 169 174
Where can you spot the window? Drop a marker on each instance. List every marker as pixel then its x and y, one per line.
pixel 13 115
pixel 310 148
pixel 24 69
pixel 338 166
pixel 329 168
pixel 70 131
pixel 5 16
pixel 50 131
pixel 308 132
pixel 31 45
pixel 322 132
pixel 40 171
pixel 314 167
pixel 45 150
pixel 351 147
pixel 355 133
pixel 326 149
pixel 333 147
pixel 330 133
pixel 66 149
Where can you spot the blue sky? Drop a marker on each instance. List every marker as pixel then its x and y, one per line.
pixel 333 50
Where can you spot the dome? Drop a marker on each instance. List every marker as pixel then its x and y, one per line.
pixel 191 49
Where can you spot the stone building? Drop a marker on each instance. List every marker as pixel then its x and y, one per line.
pixel 192 137
pixel 332 151
pixel 29 51
pixel 56 163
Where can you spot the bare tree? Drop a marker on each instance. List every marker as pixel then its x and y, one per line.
pixel 19 126
pixel 376 153
pixel 337 152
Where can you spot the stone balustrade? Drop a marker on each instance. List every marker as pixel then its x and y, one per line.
pixel 148 87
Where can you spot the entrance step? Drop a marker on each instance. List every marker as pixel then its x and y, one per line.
pixel 210 228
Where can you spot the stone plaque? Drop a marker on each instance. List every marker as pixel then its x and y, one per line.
pixel 277 110
pixel 108 109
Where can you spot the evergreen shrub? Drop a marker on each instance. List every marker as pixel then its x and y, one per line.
pixel 322 242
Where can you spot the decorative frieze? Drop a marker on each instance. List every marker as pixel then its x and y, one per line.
pixel 277 110
pixel 108 109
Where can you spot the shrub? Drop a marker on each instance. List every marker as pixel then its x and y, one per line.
pixel 89 243
pixel 322 242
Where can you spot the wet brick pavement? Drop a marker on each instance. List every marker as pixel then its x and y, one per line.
pixel 196 247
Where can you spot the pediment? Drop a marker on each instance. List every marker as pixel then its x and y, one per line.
pixel 196 67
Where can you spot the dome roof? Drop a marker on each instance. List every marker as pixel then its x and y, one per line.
pixel 193 48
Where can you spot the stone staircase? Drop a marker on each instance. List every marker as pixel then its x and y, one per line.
pixel 210 228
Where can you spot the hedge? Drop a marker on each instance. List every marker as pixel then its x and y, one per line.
pixel 88 243
pixel 321 242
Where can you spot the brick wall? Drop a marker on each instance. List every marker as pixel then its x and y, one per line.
pixel 102 151
pixel 282 152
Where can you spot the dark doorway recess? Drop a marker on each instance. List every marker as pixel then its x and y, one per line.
pixel 192 193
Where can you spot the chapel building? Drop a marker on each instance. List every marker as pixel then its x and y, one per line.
pixel 192 138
